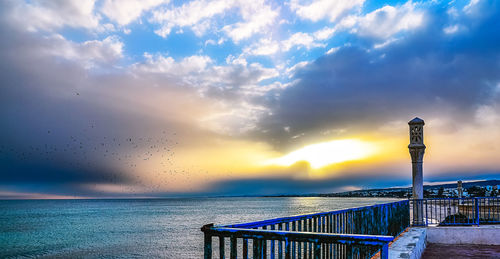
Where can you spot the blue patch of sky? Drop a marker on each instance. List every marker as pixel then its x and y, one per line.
pixel 370 6
pixel 307 26
pixel 299 56
pixel 459 4
pixel 178 3
pixel 219 53
pixel 141 40
pixel 182 43
pixel 176 45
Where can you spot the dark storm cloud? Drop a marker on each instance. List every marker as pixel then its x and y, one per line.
pixel 44 138
pixel 64 127
pixel 424 72
pixel 55 144
pixel 34 170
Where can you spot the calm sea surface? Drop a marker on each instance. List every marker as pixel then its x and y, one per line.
pixel 165 228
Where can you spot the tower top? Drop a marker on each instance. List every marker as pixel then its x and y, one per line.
pixel 416 133
pixel 416 121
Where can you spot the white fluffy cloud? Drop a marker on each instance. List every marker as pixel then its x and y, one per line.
pixel 321 9
pixel 201 72
pixel 189 14
pixel 168 66
pixel 257 16
pixel 124 12
pixel 199 16
pixel 301 39
pixel 263 47
pixel 389 20
pixel 51 15
pixel 88 53
pixel 324 33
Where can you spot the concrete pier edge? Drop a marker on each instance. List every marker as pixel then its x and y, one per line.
pixel 412 243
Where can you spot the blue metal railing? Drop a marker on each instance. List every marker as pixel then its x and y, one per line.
pixel 350 233
pixel 455 211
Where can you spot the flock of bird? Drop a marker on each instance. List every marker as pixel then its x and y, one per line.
pixel 142 157
pixel 89 150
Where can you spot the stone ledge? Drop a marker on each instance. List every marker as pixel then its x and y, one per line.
pixel 410 244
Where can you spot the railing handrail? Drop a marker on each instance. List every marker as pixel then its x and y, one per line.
pixel 305 216
pixel 454 198
pixel 281 235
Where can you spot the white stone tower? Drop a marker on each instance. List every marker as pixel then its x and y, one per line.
pixel 417 149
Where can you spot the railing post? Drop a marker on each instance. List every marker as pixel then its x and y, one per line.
pixel 287 249
pixel 426 215
pixel 245 248
pixel 208 246
pixel 476 209
pixel 348 251
pixel 257 249
pixel 384 251
pixel 264 246
pixel 222 253
pixel 208 241
pixel 317 250
pixel 234 244
pixel 280 244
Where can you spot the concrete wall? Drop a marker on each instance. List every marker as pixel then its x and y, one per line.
pixel 482 235
pixel 409 245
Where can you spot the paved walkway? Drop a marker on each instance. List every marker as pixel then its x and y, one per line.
pixel 461 251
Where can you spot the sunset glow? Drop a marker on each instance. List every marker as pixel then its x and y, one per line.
pixel 327 153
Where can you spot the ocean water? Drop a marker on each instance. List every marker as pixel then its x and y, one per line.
pixel 145 228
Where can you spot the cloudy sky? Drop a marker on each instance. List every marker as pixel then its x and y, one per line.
pixel 162 98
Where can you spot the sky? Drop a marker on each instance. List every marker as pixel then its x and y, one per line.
pixel 167 98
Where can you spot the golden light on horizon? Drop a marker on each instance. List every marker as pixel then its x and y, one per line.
pixel 322 154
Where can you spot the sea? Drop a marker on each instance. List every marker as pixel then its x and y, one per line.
pixel 139 228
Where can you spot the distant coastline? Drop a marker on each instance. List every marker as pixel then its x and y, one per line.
pixel 477 189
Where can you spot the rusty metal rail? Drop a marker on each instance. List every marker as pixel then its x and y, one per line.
pixel 456 211
pixel 350 233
